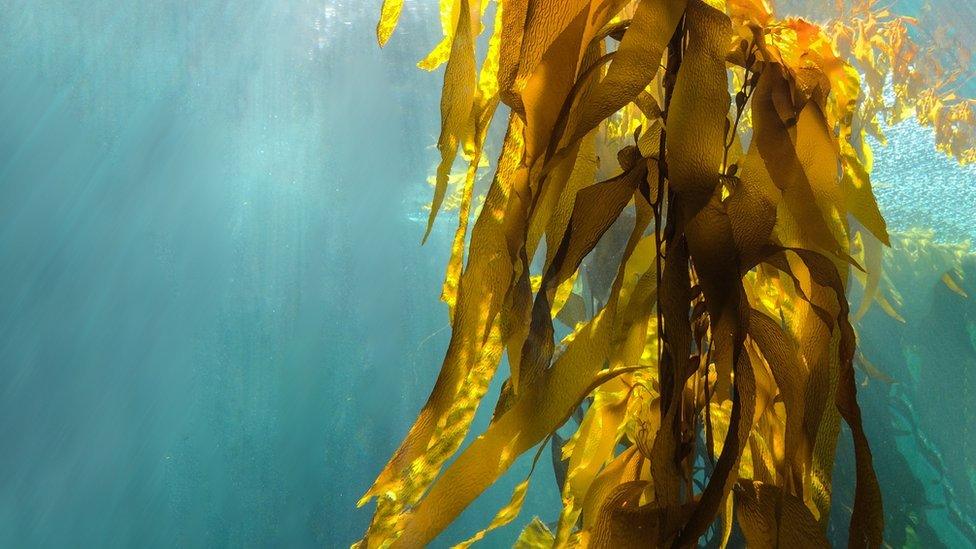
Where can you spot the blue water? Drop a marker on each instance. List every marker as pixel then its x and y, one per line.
pixel 211 298
pixel 216 321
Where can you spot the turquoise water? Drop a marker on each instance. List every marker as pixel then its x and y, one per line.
pixel 216 321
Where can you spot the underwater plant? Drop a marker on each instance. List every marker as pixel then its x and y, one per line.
pixel 680 184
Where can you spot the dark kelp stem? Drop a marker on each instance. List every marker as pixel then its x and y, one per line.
pixel 672 304
pixel 665 207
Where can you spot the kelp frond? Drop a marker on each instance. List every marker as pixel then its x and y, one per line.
pixel 690 177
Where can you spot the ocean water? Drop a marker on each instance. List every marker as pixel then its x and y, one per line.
pixel 217 321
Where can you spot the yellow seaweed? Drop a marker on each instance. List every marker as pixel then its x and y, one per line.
pixel 690 168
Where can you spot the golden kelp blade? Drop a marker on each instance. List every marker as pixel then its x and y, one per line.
pixel 542 408
pixel 867 519
pixel 504 516
pixel 457 101
pixel 873 255
pixel 449 10
pixel 782 356
pixel 389 16
pixel 634 64
pixel 700 104
pixel 483 111
pixel 472 355
pixel 511 510
pixel 951 283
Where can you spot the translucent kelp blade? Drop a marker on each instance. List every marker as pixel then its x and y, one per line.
pixel 535 413
pixel 535 536
pixel 859 198
pixel 775 144
pixel 457 101
pixel 389 16
pixel 473 353
pixel 484 106
pixel 533 32
pixel 867 519
pixel 624 466
pixel 634 65
pixel 782 356
pixel 596 208
pixel 449 10
pixel 511 510
pixel 873 256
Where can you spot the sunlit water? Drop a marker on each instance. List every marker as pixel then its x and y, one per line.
pixel 216 321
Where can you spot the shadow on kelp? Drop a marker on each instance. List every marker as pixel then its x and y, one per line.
pixel 917 371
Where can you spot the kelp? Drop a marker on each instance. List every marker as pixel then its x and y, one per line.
pixel 698 171
pixel 926 69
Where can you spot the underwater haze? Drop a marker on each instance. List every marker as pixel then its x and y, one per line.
pixel 212 298
pixel 217 320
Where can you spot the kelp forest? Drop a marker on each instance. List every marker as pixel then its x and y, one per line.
pixel 673 261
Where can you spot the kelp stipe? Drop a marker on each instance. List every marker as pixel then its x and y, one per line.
pixel 718 357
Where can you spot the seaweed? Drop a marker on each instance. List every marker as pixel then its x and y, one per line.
pixel 703 164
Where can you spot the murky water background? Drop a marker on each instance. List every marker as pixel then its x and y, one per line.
pixel 216 321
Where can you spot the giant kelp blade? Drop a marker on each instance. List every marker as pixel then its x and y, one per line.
pixel 634 64
pixel 873 255
pixel 483 112
pixel 752 208
pixel 699 104
pixel 782 356
pixel 473 352
pixel 596 208
pixel 775 144
pixel 535 536
pixel 624 466
pixel 511 510
pixel 457 101
pixel 389 16
pixel 543 88
pixel 539 410
pixel 867 518
pixel 449 10
pixel 859 197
